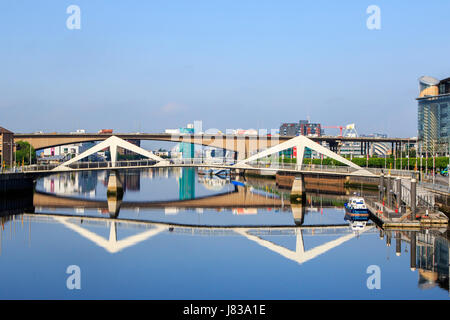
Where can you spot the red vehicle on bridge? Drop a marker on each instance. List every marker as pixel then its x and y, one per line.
pixel 106 131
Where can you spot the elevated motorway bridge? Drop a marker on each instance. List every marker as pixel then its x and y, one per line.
pixel 244 145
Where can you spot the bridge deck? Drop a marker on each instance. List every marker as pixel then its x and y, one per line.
pixel 263 168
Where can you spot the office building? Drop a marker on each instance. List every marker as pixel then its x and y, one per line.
pixel 303 128
pixel 187 149
pixel 433 115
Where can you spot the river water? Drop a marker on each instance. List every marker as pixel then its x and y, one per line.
pixel 178 234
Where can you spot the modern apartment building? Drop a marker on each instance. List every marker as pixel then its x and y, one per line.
pixel 302 128
pixel 433 115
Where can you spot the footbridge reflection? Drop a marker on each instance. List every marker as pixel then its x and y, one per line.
pixel 253 233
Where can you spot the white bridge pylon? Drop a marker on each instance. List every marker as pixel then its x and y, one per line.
pixel 112 143
pixel 301 142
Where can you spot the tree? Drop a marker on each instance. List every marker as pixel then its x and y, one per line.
pixel 23 153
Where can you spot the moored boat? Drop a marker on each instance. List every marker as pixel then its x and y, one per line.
pixel 356 209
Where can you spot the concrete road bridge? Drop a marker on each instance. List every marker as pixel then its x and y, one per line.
pixel 243 145
pixel 259 161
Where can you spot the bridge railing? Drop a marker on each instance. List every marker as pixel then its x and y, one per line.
pixel 425 200
pixel 213 161
pixel 304 167
pixel 393 172
pixel 434 186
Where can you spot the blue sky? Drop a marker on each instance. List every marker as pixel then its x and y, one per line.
pixel 150 65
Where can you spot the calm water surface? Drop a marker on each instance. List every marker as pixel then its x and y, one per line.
pixel 175 234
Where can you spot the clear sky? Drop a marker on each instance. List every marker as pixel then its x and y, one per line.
pixel 150 65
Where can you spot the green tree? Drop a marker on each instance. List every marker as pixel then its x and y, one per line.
pixel 23 153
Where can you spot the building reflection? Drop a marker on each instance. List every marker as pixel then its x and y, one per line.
pixel 432 261
pixel 429 255
pixel 428 250
pixel 186 184
pixel 73 183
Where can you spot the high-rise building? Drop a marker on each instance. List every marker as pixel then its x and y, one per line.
pixel 433 115
pixel 187 149
pixel 290 129
pixel 302 128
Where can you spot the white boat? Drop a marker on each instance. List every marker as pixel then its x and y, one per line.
pixel 356 209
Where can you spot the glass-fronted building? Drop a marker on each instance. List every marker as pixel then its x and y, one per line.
pixel 434 115
pixel 187 149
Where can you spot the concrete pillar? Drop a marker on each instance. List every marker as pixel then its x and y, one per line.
pixel 115 186
pixel 298 213
pixel 413 251
pixel 114 203
pixel 388 238
pixel 381 187
pixel 413 199
pixel 240 149
pixel 298 191
pixel 388 191
pixel 398 243
pixel 398 182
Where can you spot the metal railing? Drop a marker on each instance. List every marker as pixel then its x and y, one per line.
pixel 434 186
pixel 260 164
pixel 424 200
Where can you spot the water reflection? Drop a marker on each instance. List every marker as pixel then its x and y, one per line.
pixel 428 250
pixel 129 214
pixel 186 184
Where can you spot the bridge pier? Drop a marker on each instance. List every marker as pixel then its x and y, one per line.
pixel 115 186
pixel 114 194
pixel 298 191
pixel 114 203
pixel 298 213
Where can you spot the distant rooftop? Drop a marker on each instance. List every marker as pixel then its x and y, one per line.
pixel 427 80
pixel 3 130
